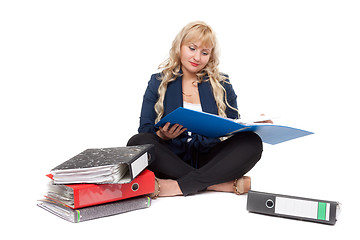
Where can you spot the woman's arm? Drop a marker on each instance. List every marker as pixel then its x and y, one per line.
pixel 148 114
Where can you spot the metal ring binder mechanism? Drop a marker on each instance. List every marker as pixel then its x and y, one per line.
pixel 299 208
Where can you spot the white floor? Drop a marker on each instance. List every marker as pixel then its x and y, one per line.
pixel 73 74
pixel 294 168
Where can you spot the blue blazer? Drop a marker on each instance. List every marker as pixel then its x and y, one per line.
pixel 186 149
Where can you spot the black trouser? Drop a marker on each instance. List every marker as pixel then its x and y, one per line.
pixel 227 161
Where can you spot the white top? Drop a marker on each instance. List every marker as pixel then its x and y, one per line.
pixel 196 107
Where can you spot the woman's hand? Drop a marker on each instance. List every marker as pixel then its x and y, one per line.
pixel 266 121
pixel 167 133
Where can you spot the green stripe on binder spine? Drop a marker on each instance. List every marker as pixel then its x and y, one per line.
pixel 78 215
pixel 148 203
pixel 321 211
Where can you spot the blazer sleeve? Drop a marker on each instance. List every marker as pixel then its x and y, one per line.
pixel 148 114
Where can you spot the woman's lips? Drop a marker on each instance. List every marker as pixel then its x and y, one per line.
pixel 194 64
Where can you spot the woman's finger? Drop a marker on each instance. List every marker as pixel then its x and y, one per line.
pixel 166 127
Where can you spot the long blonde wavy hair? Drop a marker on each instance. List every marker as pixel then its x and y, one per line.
pixel 192 32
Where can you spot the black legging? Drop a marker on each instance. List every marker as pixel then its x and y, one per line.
pixel 227 161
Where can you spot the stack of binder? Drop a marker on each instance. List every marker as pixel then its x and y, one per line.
pixel 100 182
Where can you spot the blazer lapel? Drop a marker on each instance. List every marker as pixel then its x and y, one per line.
pixel 207 99
pixel 174 98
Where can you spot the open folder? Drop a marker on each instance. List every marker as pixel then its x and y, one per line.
pixel 211 125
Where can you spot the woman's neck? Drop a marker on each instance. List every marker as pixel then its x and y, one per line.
pixel 187 76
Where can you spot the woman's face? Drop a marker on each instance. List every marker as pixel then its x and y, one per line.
pixel 194 57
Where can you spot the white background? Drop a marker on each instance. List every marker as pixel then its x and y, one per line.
pixel 73 74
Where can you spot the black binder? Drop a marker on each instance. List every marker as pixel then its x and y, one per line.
pixel 306 209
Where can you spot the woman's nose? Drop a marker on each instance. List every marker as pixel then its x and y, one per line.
pixel 197 56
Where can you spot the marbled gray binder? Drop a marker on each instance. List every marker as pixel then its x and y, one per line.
pixel 103 165
pixel 93 212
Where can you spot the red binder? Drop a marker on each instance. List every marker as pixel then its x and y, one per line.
pixel 93 194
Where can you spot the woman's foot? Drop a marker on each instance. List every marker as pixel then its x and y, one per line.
pixel 239 186
pixel 242 185
pixel 170 188
pixel 166 188
pixel 156 192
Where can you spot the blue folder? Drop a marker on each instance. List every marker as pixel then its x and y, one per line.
pixel 211 125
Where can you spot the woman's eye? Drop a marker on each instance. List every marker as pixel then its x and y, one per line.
pixel 191 48
pixel 205 53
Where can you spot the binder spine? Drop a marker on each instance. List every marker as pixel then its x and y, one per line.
pixel 103 193
pixel 109 209
pixel 76 198
pixel 77 216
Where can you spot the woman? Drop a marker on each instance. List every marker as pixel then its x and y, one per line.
pixel 186 163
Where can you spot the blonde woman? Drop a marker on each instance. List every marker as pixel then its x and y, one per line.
pixel 186 163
